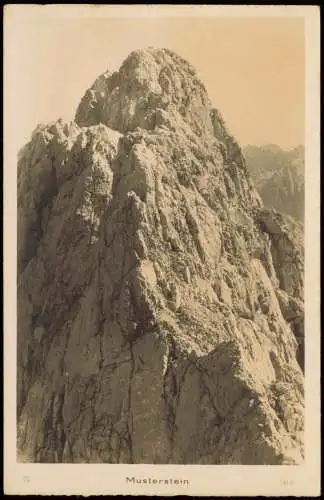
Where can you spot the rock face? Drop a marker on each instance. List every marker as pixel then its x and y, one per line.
pixel 279 177
pixel 160 305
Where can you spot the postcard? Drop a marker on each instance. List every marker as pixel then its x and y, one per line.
pixel 161 250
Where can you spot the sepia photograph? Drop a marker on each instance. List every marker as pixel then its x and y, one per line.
pixel 166 218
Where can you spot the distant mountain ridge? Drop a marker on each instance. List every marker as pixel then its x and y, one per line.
pixel 279 177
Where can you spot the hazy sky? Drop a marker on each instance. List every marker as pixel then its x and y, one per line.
pixel 253 68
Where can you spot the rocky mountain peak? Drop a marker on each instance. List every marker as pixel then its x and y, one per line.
pixel 156 93
pixel 151 86
pixel 160 305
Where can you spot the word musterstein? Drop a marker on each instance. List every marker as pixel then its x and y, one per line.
pixel 150 480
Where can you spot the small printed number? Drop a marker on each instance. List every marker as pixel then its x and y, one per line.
pixel 286 483
pixel 26 479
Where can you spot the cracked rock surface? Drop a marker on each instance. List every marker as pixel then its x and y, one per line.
pixel 160 305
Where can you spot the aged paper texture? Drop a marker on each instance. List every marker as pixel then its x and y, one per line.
pixel 161 250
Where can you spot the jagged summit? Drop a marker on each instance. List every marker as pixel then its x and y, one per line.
pixel 149 84
pixel 160 312
pixel 157 91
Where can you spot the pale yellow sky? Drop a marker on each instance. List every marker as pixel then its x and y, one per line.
pixel 253 68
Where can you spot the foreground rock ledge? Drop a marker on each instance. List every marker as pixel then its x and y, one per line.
pixel 160 306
